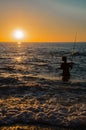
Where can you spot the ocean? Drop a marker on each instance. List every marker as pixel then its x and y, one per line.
pixel 32 90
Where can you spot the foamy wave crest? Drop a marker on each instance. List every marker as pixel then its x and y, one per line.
pixel 38 104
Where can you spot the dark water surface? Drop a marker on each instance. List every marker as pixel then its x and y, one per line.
pixel 31 89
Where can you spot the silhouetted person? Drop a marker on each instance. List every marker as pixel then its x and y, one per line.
pixel 66 69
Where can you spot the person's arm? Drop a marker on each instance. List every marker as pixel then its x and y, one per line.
pixel 71 65
pixel 60 66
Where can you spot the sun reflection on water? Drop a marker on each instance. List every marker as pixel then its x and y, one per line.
pixel 19 44
pixel 18 59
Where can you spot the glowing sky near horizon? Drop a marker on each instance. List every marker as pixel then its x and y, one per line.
pixel 43 20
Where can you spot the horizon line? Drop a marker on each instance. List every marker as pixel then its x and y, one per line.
pixel 42 41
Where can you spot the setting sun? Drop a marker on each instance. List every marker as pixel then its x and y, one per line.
pixel 18 34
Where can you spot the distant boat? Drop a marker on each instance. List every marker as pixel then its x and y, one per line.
pixel 75 53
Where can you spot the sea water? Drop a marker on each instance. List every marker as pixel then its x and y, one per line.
pixel 31 86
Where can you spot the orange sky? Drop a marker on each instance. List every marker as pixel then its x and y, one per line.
pixel 45 21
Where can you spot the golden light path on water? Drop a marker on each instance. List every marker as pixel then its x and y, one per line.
pixel 18 58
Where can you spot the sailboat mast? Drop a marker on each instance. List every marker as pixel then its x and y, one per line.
pixel 74 42
pixel 73 50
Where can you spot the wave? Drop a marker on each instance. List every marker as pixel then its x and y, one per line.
pixel 31 89
pixel 45 101
pixel 39 105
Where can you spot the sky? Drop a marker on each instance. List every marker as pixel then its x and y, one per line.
pixel 43 20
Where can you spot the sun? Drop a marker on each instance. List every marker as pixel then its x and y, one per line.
pixel 18 34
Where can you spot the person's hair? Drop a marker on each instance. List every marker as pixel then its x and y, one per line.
pixel 64 58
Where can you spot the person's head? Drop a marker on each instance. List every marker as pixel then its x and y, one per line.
pixel 64 58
